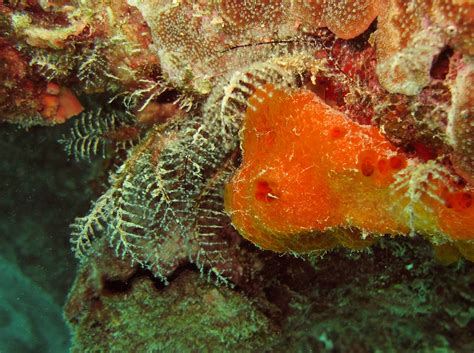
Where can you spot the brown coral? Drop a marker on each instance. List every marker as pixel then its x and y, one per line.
pixel 411 34
pixel 349 18
pixel 18 92
pixel 196 42
pixel 460 129
pixel 200 39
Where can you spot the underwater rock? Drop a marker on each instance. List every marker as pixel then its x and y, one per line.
pixel 282 304
pixel 108 301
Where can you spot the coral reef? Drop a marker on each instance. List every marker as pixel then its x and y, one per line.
pixel 73 45
pixel 358 112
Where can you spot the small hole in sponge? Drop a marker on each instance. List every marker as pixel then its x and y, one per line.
pixel 459 201
pixel 337 132
pixel 367 168
pixel 440 66
pixel 263 192
pixel 397 162
pixel 465 200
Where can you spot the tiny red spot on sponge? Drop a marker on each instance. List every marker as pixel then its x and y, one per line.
pixel 397 162
pixel 367 168
pixel 263 192
pixel 337 132
pixel 459 200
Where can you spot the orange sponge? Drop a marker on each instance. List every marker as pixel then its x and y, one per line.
pixel 311 179
pixel 59 104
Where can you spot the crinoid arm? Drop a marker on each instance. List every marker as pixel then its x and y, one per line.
pixel 281 72
pixel 167 199
pixel 150 207
pixel 211 225
pixel 52 65
pixel 93 70
pixel 95 130
pixel 84 230
pixel 418 187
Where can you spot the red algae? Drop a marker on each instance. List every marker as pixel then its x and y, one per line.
pixel 311 179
